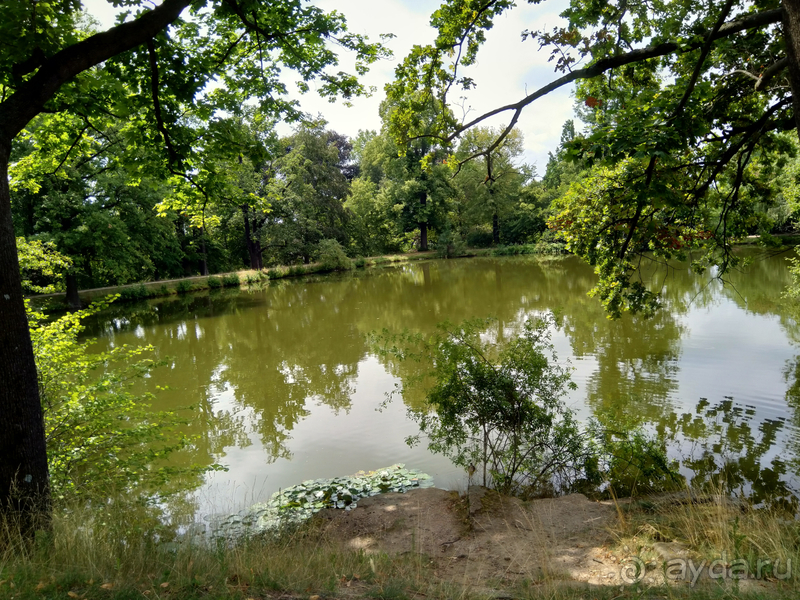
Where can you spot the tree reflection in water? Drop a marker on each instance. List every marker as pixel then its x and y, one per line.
pixel 257 365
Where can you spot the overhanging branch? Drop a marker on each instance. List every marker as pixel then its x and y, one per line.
pixel 605 64
pixel 30 97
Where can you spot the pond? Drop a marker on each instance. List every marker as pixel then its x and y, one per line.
pixel 286 388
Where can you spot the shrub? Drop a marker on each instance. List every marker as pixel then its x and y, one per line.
pixel 100 436
pixel 449 244
pixel 274 274
pixel 631 461
pixel 214 282
pixel 497 409
pixel 480 238
pixel 360 262
pixel 183 286
pixel 332 257
pixel 231 279
pixel 137 292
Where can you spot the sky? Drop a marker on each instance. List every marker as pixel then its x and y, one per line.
pixel 507 67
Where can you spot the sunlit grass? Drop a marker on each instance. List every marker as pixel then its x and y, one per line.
pixel 108 554
pixel 124 552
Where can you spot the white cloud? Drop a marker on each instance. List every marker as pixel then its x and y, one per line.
pixel 507 67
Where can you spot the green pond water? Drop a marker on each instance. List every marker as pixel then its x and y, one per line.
pixel 286 388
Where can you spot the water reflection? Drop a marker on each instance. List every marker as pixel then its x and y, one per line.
pixel 285 387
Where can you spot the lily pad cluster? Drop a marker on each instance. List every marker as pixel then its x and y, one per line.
pixel 299 502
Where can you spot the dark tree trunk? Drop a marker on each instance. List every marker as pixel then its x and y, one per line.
pixel 253 246
pixel 791 36
pixel 24 481
pixel 24 487
pixel 495 228
pixel 203 252
pixel 73 299
pixel 423 225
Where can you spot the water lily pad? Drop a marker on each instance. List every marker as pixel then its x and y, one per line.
pixel 299 502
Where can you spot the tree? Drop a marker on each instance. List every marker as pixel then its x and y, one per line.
pixel 396 195
pixel 491 185
pixel 50 64
pixel 224 180
pixel 673 126
pixel 67 197
pixel 306 185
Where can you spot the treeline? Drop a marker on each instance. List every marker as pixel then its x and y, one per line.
pixel 93 191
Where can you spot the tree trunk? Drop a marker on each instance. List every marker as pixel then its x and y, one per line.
pixel 495 228
pixel 259 255
pixel 791 36
pixel 423 224
pixel 73 299
pixel 24 487
pixel 204 253
pixel 253 246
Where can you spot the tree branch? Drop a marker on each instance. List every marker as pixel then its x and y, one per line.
pixel 700 61
pixel 30 97
pixel 69 151
pixel 162 129
pixel 604 64
pixel 771 71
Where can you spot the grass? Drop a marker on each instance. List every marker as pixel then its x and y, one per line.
pixel 708 533
pixel 106 556
pixel 88 556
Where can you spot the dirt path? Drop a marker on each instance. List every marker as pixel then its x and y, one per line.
pixel 486 539
pixel 487 542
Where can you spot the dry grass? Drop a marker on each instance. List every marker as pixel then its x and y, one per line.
pixel 107 557
pixel 122 554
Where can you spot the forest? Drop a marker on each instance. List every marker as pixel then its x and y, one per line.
pixel 258 200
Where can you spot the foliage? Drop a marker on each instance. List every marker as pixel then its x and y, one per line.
pixel 230 280
pixel 590 228
pixel 42 267
pixel 306 185
pixel 499 408
pixel 136 292
pixel 100 436
pixel 92 204
pixel 497 197
pixel 332 257
pixel 396 199
pixel 631 462
pixel 683 138
pixel 298 502
pixel 495 408
pixel 792 292
pixel 449 244
pixel 544 248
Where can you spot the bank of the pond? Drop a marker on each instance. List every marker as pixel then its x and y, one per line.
pixel 429 543
pixel 169 287
pixel 245 277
